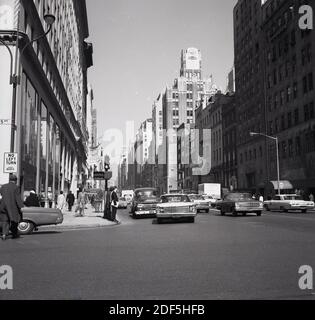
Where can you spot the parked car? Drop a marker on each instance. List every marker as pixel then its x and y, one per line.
pixel 144 202
pixel 239 202
pixel 122 203
pixel 201 202
pixel 287 202
pixel 34 217
pixel 176 206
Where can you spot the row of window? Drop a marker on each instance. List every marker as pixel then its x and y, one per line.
pixel 251 155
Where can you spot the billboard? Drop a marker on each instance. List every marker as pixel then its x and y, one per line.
pixel 9 14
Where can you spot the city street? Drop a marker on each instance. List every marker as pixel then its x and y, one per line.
pixel 215 258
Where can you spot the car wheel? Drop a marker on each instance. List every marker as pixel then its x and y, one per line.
pixel 244 214
pixel 26 227
pixel 258 214
pixel 267 207
pixel 222 212
pixel 234 213
pixel 191 220
pixel 208 210
pixel 159 220
pixel 304 210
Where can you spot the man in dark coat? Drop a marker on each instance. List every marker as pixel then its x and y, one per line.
pixel 32 200
pixel 13 204
pixel 70 200
pixel 114 204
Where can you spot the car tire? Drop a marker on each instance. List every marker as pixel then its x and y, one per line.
pixel 258 214
pixel 26 227
pixel 244 214
pixel 234 212
pixel 134 216
pixel 304 211
pixel 191 220
pixel 207 211
pixel 222 212
pixel 267 207
pixel 159 220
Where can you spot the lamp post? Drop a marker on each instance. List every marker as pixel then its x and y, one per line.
pixel 252 134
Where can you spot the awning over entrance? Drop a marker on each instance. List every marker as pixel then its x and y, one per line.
pixel 284 185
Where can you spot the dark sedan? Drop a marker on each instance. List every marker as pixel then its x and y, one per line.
pixel 144 202
pixel 239 203
pixel 34 217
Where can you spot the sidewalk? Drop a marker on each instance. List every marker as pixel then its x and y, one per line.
pixel 91 219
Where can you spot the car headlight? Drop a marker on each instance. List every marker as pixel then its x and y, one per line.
pixel 160 210
pixel 192 209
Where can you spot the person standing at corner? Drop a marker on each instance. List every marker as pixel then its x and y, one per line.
pixel 70 200
pixel 12 203
pixel 114 204
pixel 61 201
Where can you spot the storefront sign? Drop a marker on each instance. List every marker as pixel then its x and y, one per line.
pixel 10 162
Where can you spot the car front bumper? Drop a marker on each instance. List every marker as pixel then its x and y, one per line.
pixel 248 209
pixel 176 215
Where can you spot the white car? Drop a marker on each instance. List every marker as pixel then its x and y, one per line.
pixel 176 206
pixel 122 203
pixel 286 202
pixel 211 199
pixel 200 201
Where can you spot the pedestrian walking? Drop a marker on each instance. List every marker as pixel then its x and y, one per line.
pixel 70 200
pixel 114 204
pixel 311 197
pixel 261 198
pixel 11 205
pixel 4 220
pixel 61 201
pixel 81 202
pixel 32 200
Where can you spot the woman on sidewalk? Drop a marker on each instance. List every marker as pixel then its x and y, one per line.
pixel 81 202
pixel 114 205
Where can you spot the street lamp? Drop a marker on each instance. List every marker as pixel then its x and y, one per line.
pixel 252 134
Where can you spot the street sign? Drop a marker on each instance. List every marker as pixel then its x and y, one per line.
pixel 101 175
pixel 5 122
pixel 10 162
pixel 108 175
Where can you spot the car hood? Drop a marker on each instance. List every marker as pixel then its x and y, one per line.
pixel 175 204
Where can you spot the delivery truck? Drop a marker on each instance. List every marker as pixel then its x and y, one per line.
pixel 210 189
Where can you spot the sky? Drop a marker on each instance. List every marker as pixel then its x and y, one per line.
pixel 137 47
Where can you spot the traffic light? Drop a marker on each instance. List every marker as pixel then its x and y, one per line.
pixel 107 167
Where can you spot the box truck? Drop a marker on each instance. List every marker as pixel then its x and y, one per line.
pixel 210 189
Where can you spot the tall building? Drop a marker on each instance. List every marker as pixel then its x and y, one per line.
pixel 179 103
pixel 250 95
pixel 290 64
pixel 51 138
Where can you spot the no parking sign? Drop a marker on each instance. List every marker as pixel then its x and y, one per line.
pixel 10 162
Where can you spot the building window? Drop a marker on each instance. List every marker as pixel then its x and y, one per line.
pixel 295 90
pixel 290 148
pixel 289 120
pixel 298 146
pixel 310 81
pixel 296 116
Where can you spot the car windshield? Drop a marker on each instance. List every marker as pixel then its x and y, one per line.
pixel 179 198
pixel 207 197
pixel 293 197
pixel 238 196
pixel 196 197
pixel 146 194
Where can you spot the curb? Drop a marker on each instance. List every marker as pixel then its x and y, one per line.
pixel 76 227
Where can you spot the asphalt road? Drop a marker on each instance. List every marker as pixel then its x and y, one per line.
pixel 214 258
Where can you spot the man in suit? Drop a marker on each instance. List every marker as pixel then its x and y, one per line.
pixel 114 205
pixel 70 200
pixel 13 204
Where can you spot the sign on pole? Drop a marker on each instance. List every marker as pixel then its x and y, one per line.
pixel 10 162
